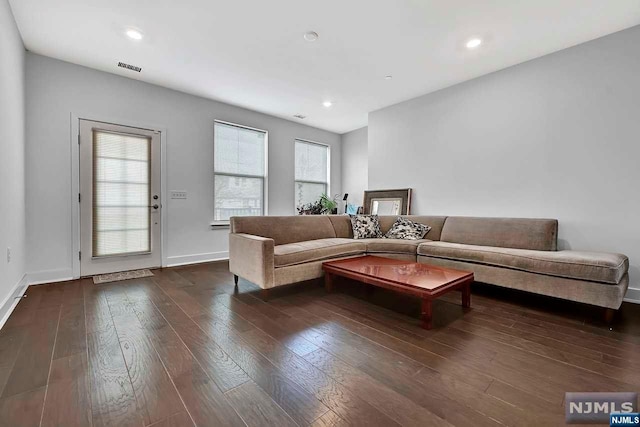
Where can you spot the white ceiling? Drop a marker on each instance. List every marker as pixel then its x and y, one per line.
pixel 251 53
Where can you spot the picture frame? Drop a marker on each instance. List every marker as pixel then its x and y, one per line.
pixel 387 202
pixel 388 206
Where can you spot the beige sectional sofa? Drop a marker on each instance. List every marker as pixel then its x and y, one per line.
pixel 515 253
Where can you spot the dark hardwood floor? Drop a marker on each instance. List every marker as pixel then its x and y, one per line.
pixel 182 348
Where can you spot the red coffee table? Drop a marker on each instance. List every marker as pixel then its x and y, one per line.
pixel 422 280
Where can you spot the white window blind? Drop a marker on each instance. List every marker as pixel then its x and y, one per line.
pixel 312 171
pixel 121 182
pixel 239 171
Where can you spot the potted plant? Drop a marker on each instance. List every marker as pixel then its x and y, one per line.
pixel 324 205
pixel 330 205
pixel 314 208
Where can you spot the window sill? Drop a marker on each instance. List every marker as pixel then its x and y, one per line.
pixel 220 224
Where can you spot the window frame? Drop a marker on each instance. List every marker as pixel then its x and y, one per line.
pixel 264 177
pixel 295 181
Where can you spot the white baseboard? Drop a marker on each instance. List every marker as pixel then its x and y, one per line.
pixel 174 261
pixel 49 276
pixel 633 295
pixel 10 302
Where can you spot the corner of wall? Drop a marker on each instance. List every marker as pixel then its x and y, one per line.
pixel 12 162
pixel 12 299
pixel 355 163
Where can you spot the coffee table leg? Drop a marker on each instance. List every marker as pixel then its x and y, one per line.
pixel 328 281
pixel 466 295
pixel 427 314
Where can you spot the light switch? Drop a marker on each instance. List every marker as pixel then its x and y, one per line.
pixel 178 194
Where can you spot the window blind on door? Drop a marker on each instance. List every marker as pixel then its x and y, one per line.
pixel 121 187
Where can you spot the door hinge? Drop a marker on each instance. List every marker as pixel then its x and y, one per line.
pixel 78 139
pixel 78 197
pixel 79 256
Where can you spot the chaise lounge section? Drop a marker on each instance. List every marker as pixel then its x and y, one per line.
pixel 516 253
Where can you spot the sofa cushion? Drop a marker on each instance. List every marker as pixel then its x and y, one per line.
pixel 285 229
pixel 365 226
pixel 589 266
pixel 406 229
pixel 517 233
pixel 316 250
pixel 394 246
pixel 435 222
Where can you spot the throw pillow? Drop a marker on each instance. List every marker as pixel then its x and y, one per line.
pixel 407 230
pixel 365 226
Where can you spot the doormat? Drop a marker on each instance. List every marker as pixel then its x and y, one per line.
pixel 123 275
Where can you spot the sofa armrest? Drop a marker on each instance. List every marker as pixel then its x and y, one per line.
pixel 251 257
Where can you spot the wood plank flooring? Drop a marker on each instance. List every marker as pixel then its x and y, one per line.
pixel 184 348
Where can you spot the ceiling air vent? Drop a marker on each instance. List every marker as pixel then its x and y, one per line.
pixel 129 67
pixel 300 116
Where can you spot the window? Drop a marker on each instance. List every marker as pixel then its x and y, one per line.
pixel 312 171
pixel 239 169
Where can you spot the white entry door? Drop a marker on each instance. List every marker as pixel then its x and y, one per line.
pixel 119 198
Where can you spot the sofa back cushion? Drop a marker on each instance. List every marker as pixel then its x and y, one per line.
pixel 518 233
pixel 285 229
pixel 342 224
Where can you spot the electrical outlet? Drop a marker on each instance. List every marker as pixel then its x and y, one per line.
pixel 8 255
pixel 178 194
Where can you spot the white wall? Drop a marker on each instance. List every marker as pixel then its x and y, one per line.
pixel 556 137
pixel 12 148
pixel 55 89
pixel 355 171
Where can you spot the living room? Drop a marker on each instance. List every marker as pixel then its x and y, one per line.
pixel 468 253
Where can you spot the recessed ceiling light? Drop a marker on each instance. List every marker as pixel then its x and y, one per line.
pixel 134 34
pixel 388 77
pixel 474 43
pixel 311 36
pixel 327 104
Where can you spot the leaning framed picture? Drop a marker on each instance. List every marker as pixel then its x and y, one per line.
pixel 387 202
